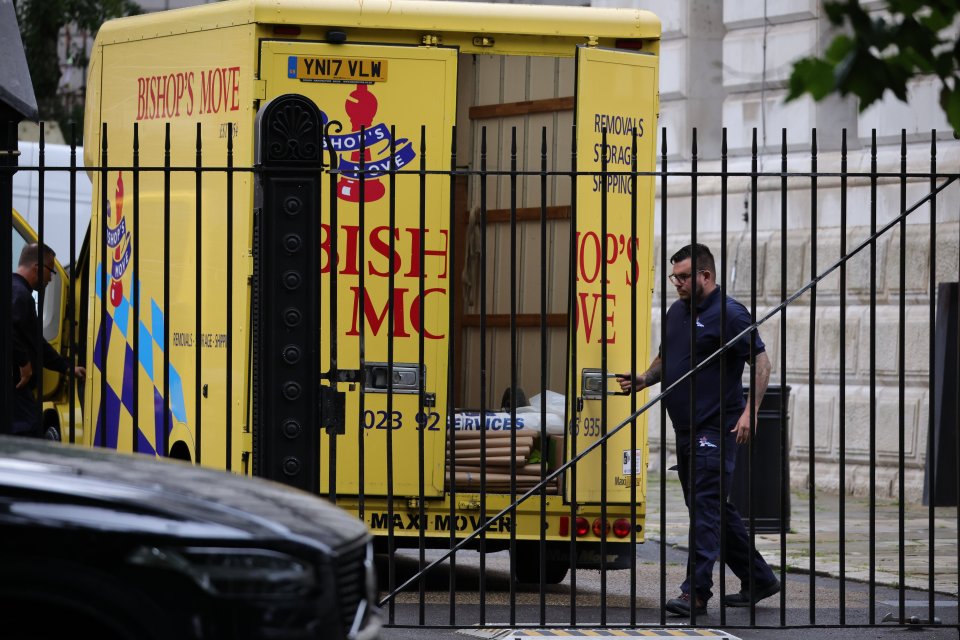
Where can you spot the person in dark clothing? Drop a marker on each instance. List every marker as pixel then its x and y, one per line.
pixel 31 275
pixel 717 413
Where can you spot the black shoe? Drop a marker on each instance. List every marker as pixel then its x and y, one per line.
pixel 681 606
pixel 742 599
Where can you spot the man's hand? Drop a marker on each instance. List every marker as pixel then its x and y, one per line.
pixel 742 428
pixel 26 372
pixel 629 382
pixel 79 372
pixel 760 376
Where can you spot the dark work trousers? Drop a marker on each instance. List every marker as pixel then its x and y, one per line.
pixel 26 414
pixel 707 529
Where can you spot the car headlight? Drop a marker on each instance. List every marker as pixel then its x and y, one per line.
pixel 236 573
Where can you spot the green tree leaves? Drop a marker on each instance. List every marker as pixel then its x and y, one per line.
pixel 884 51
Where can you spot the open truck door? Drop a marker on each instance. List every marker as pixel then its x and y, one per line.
pixel 385 322
pixel 613 228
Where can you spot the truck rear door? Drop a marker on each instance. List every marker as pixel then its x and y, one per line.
pixel 396 106
pixel 612 224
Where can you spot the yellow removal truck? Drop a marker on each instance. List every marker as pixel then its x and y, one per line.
pixel 177 139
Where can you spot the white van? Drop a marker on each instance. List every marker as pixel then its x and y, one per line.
pixel 56 195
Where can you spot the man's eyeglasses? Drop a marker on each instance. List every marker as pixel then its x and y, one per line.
pixel 680 278
pixel 52 270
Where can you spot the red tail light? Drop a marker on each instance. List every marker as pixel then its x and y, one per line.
pixel 600 527
pixel 582 527
pixel 621 527
pixel 564 528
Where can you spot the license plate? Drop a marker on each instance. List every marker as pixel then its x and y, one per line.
pixel 344 70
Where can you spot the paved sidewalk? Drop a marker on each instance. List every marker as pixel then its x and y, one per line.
pixel 826 552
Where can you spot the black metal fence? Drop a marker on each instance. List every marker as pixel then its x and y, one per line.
pixel 818 283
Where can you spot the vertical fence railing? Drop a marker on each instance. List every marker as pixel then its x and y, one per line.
pixel 664 186
pixel 421 418
pixel 571 373
pixel 724 489
pixel 543 364
pixel 513 364
pixel 634 341
pixel 753 402
pixel 198 301
pixel 932 374
pixel 452 387
pixel 483 374
pixel 873 389
pixel 811 370
pixel 391 339
pixel 843 371
pixel 229 213
pixel 102 334
pixel 135 429
pixel 784 450
pixel 901 371
pixel 72 337
pixel 563 607
pixel 9 155
pixel 38 363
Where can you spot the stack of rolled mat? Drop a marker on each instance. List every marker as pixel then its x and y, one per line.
pixel 497 461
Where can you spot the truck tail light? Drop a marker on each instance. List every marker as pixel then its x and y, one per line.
pixel 621 527
pixel 582 527
pixel 600 527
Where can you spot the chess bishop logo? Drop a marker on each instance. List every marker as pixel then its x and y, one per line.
pixel 118 239
pixel 375 140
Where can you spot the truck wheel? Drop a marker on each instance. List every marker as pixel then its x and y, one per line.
pixel 528 563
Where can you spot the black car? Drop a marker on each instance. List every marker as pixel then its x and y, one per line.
pixel 99 544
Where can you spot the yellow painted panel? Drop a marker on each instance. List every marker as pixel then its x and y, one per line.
pixel 543 28
pixel 180 82
pixel 380 106
pixel 616 91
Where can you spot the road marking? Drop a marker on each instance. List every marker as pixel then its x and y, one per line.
pixel 517 634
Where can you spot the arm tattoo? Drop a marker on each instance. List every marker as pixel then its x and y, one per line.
pixel 652 375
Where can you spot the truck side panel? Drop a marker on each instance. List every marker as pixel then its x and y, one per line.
pixel 180 81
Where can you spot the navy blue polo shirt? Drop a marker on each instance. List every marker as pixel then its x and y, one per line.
pixel 675 352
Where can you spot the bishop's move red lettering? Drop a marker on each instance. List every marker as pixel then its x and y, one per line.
pixel 185 93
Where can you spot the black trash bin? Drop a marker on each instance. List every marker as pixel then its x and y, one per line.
pixel 770 475
pixel 940 472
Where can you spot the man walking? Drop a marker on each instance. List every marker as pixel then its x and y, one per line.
pixel 31 275
pixel 717 413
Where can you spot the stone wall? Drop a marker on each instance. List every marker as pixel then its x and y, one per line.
pixel 837 430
